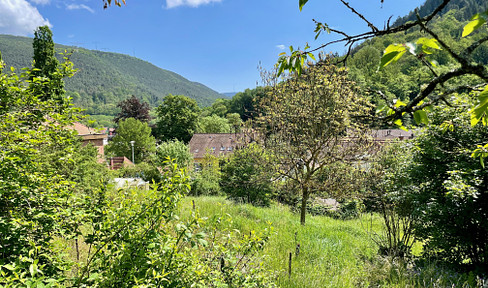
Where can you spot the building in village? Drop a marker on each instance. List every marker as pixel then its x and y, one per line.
pixel 224 144
pixel 215 144
pixel 99 138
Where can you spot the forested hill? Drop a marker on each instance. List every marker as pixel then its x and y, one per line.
pixel 104 79
pixel 467 9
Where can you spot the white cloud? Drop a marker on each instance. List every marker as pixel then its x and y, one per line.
pixel 41 2
pixel 78 7
pixel 281 47
pixel 19 17
pixel 191 3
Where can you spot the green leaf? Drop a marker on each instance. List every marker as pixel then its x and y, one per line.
pixel 399 103
pixel 480 110
pixel 420 116
pixel 428 45
pixel 33 269
pixel 476 21
pixel 9 267
pixel 380 108
pixel 392 54
pixel 301 3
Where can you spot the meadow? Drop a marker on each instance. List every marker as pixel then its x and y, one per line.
pixel 332 253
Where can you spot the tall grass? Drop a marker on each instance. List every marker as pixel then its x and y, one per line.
pixel 333 253
pixel 330 250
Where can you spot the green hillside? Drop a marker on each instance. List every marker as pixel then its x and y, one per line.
pixel 104 79
pixel 467 9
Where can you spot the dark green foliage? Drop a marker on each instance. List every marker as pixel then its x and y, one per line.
pixel 177 118
pixel 132 130
pixel 144 170
pixel 467 8
pixel 246 177
pixel 133 108
pixel 245 103
pixel 45 62
pixel 45 65
pixel 452 197
pixel 103 79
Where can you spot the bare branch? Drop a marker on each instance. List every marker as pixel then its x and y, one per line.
pixel 360 16
pixel 473 46
pixel 350 40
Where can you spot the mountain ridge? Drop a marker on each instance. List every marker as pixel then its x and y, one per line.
pixel 105 78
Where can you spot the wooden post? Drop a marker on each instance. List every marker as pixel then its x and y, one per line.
pixel 77 249
pixel 289 266
pixel 193 202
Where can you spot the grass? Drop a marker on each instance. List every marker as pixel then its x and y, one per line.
pixel 333 253
pixel 330 249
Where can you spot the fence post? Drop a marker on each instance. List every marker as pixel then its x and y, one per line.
pixel 289 266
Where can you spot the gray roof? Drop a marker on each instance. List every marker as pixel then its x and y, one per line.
pixel 217 144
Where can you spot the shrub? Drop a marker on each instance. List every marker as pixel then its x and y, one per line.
pixel 147 171
pixel 139 241
pixel 173 150
pixel 246 178
pixel 206 179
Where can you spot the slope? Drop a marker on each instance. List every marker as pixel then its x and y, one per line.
pixel 104 79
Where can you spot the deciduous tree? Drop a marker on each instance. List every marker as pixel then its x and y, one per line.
pixel 132 130
pixel 133 108
pixel 312 120
pixel 213 124
pixel 246 177
pixel 174 150
pixel 177 118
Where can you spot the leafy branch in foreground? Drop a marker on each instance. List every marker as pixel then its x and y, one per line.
pixel 432 91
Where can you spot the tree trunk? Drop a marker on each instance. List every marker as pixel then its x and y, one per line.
pixel 303 210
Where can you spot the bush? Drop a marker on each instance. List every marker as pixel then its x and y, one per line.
pixel 452 199
pixel 173 150
pixel 139 241
pixel 206 179
pixel 144 170
pixel 246 178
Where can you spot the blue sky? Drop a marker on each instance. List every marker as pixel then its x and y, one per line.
pixel 218 43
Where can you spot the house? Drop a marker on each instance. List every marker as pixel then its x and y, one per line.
pixel 386 135
pixel 223 144
pixel 216 144
pixel 90 135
